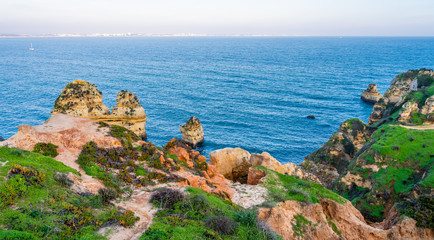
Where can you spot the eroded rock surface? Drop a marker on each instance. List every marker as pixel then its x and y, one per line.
pixel 400 92
pixel 371 94
pixel 83 99
pixel 192 132
pixel 331 220
pixel 235 163
pixel 332 159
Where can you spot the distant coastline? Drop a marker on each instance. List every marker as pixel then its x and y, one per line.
pixel 61 35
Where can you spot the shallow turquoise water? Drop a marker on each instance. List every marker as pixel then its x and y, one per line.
pixel 253 93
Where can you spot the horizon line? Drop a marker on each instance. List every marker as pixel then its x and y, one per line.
pixel 60 35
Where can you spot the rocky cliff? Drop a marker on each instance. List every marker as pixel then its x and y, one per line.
pixel 83 99
pixel 192 132
pixel 388 163
pixel 369 181
pixel 411 91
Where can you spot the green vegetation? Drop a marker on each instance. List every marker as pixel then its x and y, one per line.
pixel 300 225
pixel 421 209
pixel 46 149
pixel 284 187
pixel 199 215
pixel 116 167
pixel 405 160
pixel 36 204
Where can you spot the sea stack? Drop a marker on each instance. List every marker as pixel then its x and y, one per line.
pixel 371 94
pixel 192 132
pixel 83 99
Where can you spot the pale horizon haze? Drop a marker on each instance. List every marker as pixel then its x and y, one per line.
pixel 224 17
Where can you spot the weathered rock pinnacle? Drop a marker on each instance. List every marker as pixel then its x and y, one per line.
pixel 192 132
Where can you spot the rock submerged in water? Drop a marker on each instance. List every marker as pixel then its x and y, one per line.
pixel 192 132
pixel 83 99
pixel 371 94
pixel 311 117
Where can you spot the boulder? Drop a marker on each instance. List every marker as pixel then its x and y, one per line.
pixel 371 94
pixel 232 163
pixel 192 132
pixel 83 99
pixel 255 176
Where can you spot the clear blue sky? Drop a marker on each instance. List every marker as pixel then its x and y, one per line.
pixel 225 17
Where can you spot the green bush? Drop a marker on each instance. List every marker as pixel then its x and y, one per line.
pixel 247 217
pixel 221 224
pixel 46 149
pixel 166 197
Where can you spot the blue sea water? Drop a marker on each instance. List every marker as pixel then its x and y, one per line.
pixel 253 93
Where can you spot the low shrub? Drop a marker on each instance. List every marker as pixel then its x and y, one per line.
pixel 167 197
pixel 199 203
pixel 63 179
pixel 46 149
pixel 247 217
pixel 127 219
pixel 221 224
pixel 107 194
pixel 32 176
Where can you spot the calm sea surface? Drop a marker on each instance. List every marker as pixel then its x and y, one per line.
pixel 253 93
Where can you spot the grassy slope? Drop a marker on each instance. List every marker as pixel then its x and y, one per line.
pixel 186 220
pixel 283 187
pixel 47 209
pixel 404 157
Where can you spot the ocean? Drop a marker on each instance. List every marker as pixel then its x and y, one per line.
pixel 248 92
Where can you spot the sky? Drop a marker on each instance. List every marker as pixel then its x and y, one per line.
pixel 220 17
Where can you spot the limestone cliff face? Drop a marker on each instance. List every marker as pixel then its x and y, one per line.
pixel 192 132
pixel 428 110
pixel 332 159
pixel 80 99
pixel 402 90
pixel 408 109
pixel 371 94
pixel 128 113
pixel 331 220
pixel 83 99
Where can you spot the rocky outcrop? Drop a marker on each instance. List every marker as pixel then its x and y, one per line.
pixel 371 94
pixel 408 109
pixel 83 99
pixel 428 110
pixel 331 220
pixel 192 132
pixel 235 163
pixel 378 111
pixel 67 132
pixel 401 91
pixel 332 159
